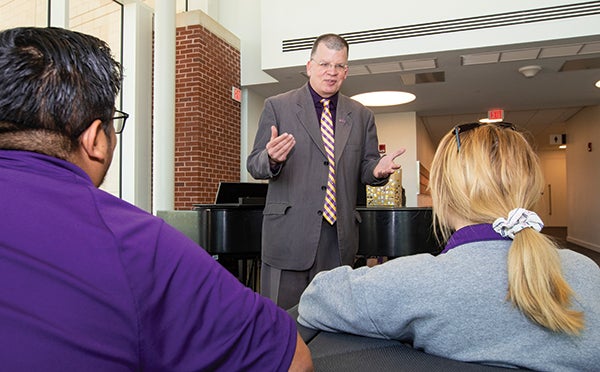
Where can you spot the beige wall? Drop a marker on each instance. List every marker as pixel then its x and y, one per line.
pixel 399 130
pixel 583 178
pixel 425 152
pixel 425 147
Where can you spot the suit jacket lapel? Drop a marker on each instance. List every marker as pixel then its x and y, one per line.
pixel 343 126
pixel 308 118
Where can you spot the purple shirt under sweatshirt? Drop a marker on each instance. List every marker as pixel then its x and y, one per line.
pixel 472 233
pixel 92 283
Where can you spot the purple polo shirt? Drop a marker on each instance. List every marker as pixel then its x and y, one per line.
pixel 472 233
pixel 92 283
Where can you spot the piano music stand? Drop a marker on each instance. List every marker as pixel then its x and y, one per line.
pixel 241 193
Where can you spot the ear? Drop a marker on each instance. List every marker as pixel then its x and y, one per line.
pixel 345 74
pixel 94 142
pixel 308 67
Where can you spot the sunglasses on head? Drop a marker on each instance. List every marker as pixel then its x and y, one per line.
pixel 470 126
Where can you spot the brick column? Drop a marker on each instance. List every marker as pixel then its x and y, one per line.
pixel 207 119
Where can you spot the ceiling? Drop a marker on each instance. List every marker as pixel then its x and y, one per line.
pixel 458 86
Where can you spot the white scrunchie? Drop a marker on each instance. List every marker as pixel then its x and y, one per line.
pixel 518 219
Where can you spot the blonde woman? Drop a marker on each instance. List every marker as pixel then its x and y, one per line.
pixel 501 293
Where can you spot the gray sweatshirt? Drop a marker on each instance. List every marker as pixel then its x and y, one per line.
pixel 454 305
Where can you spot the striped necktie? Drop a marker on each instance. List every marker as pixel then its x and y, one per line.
pixel 328 141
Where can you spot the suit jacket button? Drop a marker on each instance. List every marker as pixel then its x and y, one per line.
pixel 323 188
pixel 320 213
pixel 326 163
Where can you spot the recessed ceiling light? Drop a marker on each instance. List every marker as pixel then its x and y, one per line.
pixel 598 84
pixel 384 98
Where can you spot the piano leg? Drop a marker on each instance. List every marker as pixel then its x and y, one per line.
pixel 245 268
pixel 252 280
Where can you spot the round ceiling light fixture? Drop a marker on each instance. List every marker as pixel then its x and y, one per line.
pixel 384 98
pixel 598 84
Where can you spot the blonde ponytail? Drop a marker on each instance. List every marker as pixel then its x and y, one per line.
pixel 536 285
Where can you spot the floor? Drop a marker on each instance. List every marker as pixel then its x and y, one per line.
pixel 560 233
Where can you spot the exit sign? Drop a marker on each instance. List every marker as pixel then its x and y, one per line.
pixel 496 115
pixel 236 94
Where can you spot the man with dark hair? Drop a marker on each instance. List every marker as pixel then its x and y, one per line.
pixel 315 146
pixel 90 282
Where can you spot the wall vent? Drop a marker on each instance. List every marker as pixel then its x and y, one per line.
pixel 457 25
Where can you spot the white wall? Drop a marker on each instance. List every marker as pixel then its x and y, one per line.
pixel 356 15
pixel 262 25
pixel 136 140
pixel 243 18
pixel 583 178
pixel 252 106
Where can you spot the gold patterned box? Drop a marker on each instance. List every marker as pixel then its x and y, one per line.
pixel 388 195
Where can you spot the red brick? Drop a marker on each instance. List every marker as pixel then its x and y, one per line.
pixel 207 129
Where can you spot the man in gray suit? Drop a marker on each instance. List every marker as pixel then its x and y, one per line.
pixel 299 235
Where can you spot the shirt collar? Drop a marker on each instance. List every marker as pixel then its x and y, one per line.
pixel 36 163
pixel 472 233
pixel 317 98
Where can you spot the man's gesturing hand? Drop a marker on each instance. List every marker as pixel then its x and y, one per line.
pixel 386 165
pixel 279 146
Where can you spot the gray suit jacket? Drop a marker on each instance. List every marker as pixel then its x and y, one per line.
pixel 292 215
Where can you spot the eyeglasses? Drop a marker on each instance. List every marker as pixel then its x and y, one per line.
pixel 338 67
pixel 470 126
pixel 119 121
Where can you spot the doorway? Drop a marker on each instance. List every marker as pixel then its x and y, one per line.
pixel 552 207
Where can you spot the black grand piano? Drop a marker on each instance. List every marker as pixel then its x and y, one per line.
pixel 231 228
